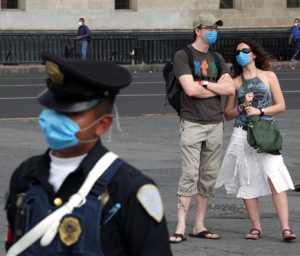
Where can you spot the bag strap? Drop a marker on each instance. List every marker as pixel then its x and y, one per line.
pixel 47 228
pixel 189 53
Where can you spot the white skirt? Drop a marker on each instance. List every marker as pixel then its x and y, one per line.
pixel 245 172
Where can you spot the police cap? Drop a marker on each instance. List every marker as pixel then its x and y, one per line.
pixel 78 85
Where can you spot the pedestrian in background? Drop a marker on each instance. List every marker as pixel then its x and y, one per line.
pixel 84 37
pixel 245 172
pixel 295 39
pixel 201 124
pixel 79 198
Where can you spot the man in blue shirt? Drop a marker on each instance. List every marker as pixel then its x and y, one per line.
pixel 84 37
pixel 295 36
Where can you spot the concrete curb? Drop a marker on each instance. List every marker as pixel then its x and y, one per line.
pixel 21 69
pixel 40 69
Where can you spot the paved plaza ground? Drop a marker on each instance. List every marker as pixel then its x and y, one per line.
pixel 150 142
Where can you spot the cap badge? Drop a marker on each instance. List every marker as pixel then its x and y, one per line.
pixel 69 231
pixel 54 72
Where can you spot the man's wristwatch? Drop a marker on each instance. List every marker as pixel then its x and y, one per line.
pixel 205 84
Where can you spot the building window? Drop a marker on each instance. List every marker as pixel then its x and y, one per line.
pixel 9 4
pixel 226 4
pixel 293 3
pixel 122 4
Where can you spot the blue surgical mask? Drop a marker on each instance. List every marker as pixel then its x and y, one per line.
pixel 211 37
pixel 243 59
pixel 60 131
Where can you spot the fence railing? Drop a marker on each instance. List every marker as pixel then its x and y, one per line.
pixel 128 47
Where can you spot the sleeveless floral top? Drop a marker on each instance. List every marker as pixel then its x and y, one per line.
pixel 262 98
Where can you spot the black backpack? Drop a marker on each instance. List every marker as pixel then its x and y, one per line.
pixel 172 85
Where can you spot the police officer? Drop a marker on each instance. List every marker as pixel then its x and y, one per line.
pixel 78 198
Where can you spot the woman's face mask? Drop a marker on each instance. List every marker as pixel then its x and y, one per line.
pixel 60 130
pixel 243 56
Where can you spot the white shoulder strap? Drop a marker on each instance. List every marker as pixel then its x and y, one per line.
pixel 47 228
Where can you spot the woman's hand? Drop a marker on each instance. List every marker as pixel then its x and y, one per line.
pixel 249 98
pixel 252 111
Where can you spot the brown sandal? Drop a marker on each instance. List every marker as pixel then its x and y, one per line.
pixel 254 234
pixel 288 235
pixel 206 234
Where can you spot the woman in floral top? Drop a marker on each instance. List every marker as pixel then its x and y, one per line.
pixel 244 171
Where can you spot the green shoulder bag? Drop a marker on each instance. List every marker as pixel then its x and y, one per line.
pixel 264 135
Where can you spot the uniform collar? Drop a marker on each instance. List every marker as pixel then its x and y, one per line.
pixel 73 182
pixel 90 160
pixel 40 171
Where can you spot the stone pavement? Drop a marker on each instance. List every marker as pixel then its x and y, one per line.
pixel 151 144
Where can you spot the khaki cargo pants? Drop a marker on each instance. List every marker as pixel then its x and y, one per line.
pixel 201 148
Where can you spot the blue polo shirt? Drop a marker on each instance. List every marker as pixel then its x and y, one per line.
pixel 295 30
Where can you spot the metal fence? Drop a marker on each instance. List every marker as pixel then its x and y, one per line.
pixel 128 47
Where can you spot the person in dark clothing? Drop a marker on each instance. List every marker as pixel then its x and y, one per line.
pixel 84 37
pixel 78 198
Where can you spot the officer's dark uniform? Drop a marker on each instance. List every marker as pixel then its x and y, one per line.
pixel 129 230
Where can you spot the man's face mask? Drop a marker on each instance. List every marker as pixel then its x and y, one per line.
pixel 80 23
pixel 60 130
pixel 242 56
pixel 211 36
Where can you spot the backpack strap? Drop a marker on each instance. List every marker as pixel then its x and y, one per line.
pixel 189 53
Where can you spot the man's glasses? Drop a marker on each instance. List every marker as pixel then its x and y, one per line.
pixel 245 50
pixel 213 27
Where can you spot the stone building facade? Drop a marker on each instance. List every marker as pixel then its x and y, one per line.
pixel 144 15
